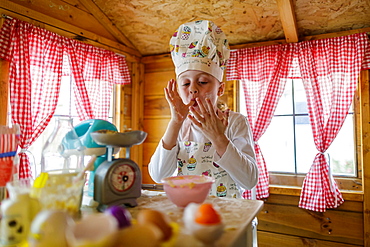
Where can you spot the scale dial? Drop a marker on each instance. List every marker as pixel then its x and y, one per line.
pixel 117 182
pixel 122 177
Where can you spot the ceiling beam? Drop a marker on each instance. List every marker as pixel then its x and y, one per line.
pixel 106 22
pixel 288 20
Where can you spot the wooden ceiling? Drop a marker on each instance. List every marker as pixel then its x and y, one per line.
pixel 145 26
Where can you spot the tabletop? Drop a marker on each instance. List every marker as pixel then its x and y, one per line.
pixel 236 215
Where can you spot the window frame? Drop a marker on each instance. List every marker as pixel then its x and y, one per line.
pixel 350 187
pixel 113 118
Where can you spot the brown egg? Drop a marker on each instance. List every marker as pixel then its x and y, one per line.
pixel 137 235
pixel 157 218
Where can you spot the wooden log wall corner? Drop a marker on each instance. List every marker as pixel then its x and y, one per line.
pixel 365 150
pixel 137 109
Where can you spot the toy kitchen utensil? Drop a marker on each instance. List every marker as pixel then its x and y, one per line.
pixel 63 149
pixel 117 181
pixel 84 130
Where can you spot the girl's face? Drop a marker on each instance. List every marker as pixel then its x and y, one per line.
pixel 194 84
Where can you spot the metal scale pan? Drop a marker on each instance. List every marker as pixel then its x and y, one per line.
pixel 117 139
pixel 117 181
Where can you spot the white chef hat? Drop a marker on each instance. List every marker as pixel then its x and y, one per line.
pixel 200 45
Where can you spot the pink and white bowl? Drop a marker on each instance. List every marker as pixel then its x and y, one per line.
pixel 182 190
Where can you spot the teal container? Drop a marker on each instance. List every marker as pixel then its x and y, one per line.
pixel 83 131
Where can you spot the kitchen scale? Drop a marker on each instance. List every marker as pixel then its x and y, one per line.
pixel 117 181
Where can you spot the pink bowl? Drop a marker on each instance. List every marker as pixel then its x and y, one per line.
pixel 182 190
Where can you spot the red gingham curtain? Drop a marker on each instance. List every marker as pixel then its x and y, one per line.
pixel 36 61
pixel 330 70
pixel 33 92
pixel 366 61
pixel 264 72
pixel 94 72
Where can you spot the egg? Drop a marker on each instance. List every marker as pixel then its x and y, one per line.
pixel 203 222
pixel 207 215
pixel 49 229
pixel 157 218
pixel 94 230
pixel 120 213
pixel 139 235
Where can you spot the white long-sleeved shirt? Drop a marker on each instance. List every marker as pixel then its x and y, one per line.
pixel 238 160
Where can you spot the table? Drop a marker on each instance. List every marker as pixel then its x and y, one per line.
pixel 237 215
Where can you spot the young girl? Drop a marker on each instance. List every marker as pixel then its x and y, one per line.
pixel 201 139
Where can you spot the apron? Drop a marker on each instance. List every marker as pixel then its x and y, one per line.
pixel 197 159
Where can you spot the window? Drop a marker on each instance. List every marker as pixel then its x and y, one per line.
pixel 65 108
pixel 288 146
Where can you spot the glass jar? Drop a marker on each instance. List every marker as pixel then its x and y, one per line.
pixel 63 150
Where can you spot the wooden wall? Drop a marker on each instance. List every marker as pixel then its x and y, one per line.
pixel 282 223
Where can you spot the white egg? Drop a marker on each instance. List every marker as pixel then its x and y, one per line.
pixel 48 229
pixel 206 233
pixel 189 215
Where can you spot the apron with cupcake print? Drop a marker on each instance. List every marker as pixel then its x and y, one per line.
pixel 197 159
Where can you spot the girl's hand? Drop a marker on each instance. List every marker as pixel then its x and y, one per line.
pixel 212 122
pixel 179 110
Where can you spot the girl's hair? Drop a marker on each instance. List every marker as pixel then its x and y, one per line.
pixel 221 105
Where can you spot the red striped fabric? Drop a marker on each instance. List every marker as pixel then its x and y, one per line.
pixel 263 72
pixel 36 63
pixel 329 69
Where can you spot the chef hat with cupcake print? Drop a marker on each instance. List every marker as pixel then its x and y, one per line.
pixel 200 45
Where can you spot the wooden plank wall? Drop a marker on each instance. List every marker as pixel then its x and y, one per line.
pixel 281 222
pixel 158 71
pixel 364 101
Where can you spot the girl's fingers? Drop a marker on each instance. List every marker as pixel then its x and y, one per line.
pixel 171 85
pixel 194 121
pixel 207 108
pixel 210 108
pixel 168 96
pixel 227 113
pixel 203 109
pixel 170 90
pixel 224 116
pixel 166 93
pixel 200 104
pixel 191 103
pixel 196 114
